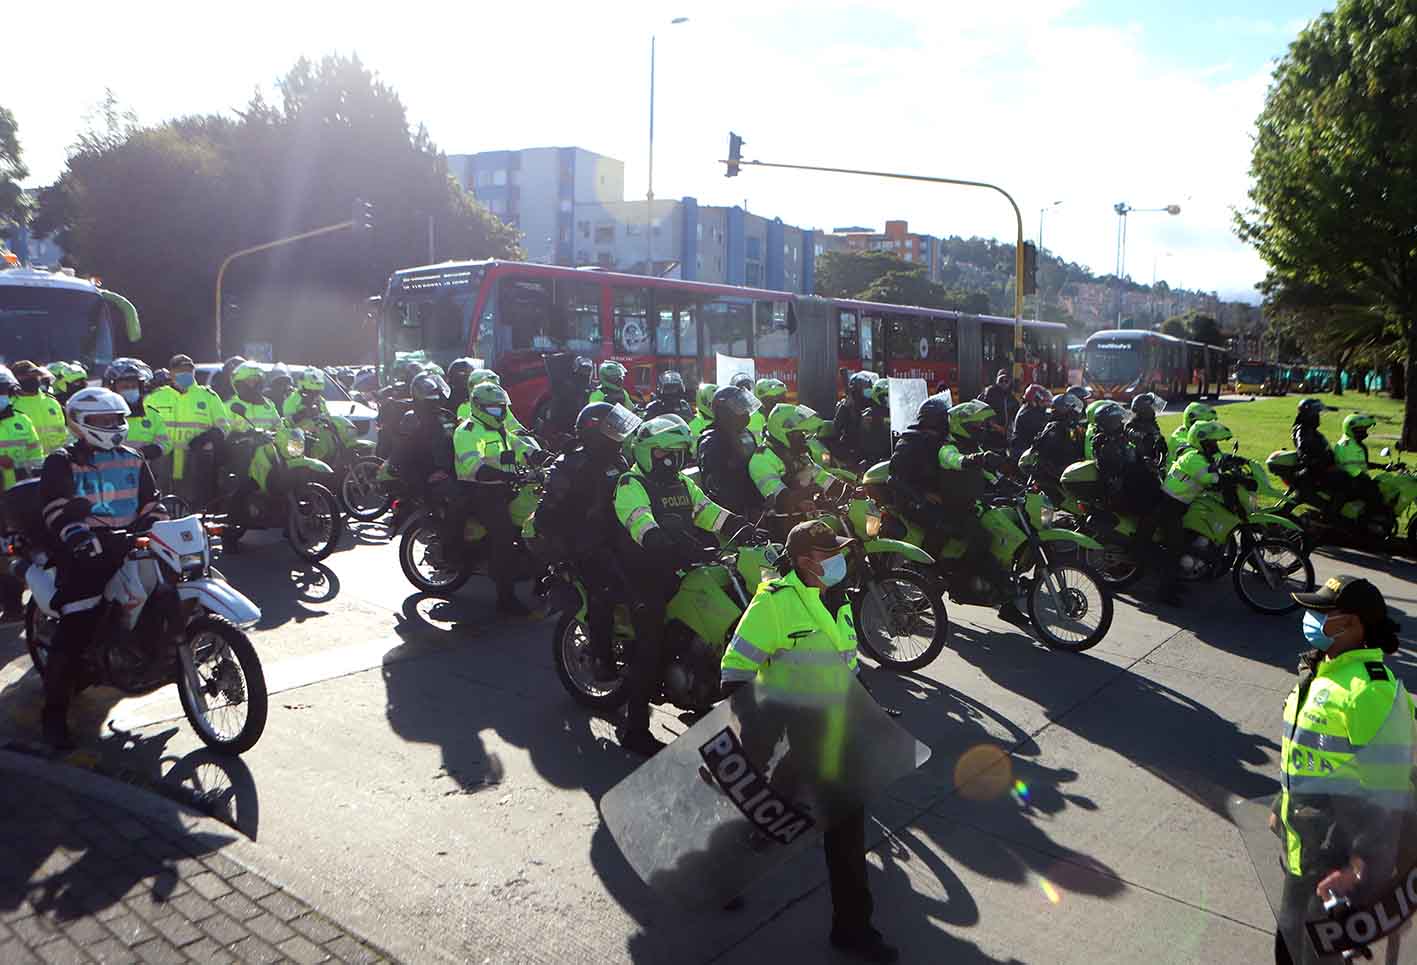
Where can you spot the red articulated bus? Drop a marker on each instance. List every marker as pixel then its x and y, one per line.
pixel 1123 363
pixel 513 314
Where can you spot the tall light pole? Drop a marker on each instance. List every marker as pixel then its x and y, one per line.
pixel 1038 295
pixel 1123 209
pixel 649 193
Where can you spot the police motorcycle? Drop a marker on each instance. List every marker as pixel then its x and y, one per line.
pixel 359 480
pixel 1226 531
pixel 1354 522
pixel 168 616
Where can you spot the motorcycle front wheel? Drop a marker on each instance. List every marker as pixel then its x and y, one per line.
pixel 360 493
pixel 221 685
pixel 419 557
pixel 1268 572
pixel 571 655
pixel 315 523
pixel 1070 607
pixel 902 621
pixel 39 635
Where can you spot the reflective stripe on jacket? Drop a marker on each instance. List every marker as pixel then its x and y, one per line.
pixel 47 417
pixel 1351 456
pixel 1190 476
pixel 20 442
pixel 639 513
pixel 771 474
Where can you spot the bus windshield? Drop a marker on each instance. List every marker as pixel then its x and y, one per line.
pixel 1113 361
pixel 1251 373
pixel 429 318
pixel 48 324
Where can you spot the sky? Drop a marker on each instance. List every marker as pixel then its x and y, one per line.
pixel 1083 102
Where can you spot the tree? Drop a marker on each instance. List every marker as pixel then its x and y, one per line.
pixel 1334 172
pixel 909 287
pixel 845 274
pixel 155 210
pixel 14 205
pixel 1174 325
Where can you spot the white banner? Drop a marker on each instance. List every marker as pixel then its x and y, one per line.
pixel 906 397
pixel 728 366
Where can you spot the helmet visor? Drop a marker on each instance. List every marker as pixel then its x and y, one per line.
pixel 619 423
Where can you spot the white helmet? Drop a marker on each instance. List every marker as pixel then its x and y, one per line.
pixel 91 417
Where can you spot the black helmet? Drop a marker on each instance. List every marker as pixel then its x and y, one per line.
pixel 1110 418
pixel 934 415
pixel 1309 412
pixel 732 401
pixel 1081 392
pixel 605 426
pixel 743 381
pixel 126 368
pixel 458 371
pixel 428 387
pixel 581 369
pixel 161 377
pixel 1068 407
pixel 671 383
pixel 860 384
pixel 1144 405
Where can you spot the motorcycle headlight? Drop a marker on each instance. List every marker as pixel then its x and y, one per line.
pixel 873 521
pixel 191 562
pixel 295 445
pixel 1046 512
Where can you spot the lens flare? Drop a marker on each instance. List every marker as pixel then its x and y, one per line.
pixel 1020 792
pixel 1050 892
pixel 983 773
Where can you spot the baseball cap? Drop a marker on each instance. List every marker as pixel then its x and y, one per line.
pixel 814 534
pixel 1351 594
pixel 180 362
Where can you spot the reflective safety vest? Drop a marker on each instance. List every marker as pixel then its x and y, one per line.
pixel 476 445
pixel 1180 440
pixel 20 442
pixel 191 413
pixel 697 427
pixel 771 474
pixel 512 423
pixel 613 395
pixel 261 416
pixel 295 403
pixel 1351 456
pixel 643 504
pixel 1190 476
pixel 758 424
pixel 1348 745
pixel 47 416
pixel 110 484
pixel 149 429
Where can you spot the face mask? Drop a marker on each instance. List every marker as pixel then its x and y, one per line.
pixel 670 462
pixel 833 570
pixel 1314 630
pixel 495 412
pixel 183 380
pixel 4 403
pixel 130 396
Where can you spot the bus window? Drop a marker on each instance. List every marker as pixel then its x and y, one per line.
pixel 942 339
pixel 728 327
pixel 771 338
pixel 676 332
pixel 873 343
pixel 632 335
pixel 528 309
pixel 848 346
pixel 580 305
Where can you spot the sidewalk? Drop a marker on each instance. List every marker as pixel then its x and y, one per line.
pixel 94 873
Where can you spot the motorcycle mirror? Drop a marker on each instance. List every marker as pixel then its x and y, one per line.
pixel 1386 452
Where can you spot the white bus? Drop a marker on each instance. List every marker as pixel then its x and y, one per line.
pixel 48 316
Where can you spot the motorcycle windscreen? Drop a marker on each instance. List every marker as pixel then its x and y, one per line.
pixel 619 423
pixel 750 785
pixel 906 396
pixel 1377 916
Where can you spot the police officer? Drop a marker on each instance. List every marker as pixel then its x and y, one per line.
pixel 612 385
pixel 783 469
pixel 844 440
pixel 568 397
pixel 147 431
pixel 1180 436
pixel 771 393
pixel 279 385
pixel 422 452
pixel 671 397
pixel 487 456
pixel 1117 463
pixel 576 516
pixel 69 377
pixel 782 663
pixel 196 421
pixel 938 484
pixel 1350 456
pixel 222 385
pixel 725 451
pixel 38 406
pixel 458 389
pixel 1144 433
pixel 1059 444
pixel 876 424
pixel 1190 475
pixel 1030 420
pixel 94 484
pixel 702 421
pixel 20 457
pixel 252 418
pixel 1000 397
pixel 658 509
pixel 1346 755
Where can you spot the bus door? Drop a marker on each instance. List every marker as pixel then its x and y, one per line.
pixel 774 347
pixel 535 317
pixel 727 330
pixel 676 336
pixel 921 347
pixel 633 335
pixel 873 343
pixel 817 335
pixel 971 356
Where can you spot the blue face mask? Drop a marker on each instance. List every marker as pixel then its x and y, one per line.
pixel 1314 630
pixel 4 403
pixel 183 380
pixel 130 396
pixel 833 570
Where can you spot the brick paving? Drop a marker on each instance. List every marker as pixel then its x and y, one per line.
pixel 85 882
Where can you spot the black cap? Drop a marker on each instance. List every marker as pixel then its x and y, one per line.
pixel 1351 594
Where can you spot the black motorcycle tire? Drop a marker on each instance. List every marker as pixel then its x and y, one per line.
pixel 1237 576
pixel 39 656
pixel 408 544
pixel 935 599
pixel 1042 627
pixel 604 703
pixel 316 493
pixel 380 506
pixel 257 698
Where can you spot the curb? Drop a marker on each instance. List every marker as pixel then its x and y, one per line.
pixel 354 916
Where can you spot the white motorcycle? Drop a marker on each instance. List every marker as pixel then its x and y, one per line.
pixel 168 616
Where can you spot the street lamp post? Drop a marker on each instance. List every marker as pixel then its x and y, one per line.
pixel 1038 295
pixel 649 192
pixel 1123 209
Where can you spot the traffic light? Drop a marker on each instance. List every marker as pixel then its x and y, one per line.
pixel 1030 268
pixel 363 215
pixel 735 154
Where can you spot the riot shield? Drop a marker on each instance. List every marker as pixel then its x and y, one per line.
pixel 1372 921
pixel 906 396
pixel 749 786
pixel 727 366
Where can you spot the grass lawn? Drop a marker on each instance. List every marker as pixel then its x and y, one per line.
pixel 1263 425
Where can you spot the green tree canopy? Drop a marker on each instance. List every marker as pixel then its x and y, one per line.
pixel 155 210
pixel 1174 326
pixel 1334 169
pixel 14 206
pixel 846 274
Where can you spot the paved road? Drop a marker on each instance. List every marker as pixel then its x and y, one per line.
pixel 423 764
